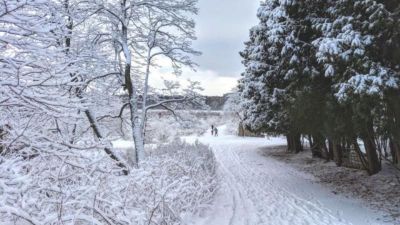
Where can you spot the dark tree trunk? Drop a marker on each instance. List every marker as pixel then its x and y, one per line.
pixel 294 143
pixel 2 135
pixel 289 142
pixel 297 142
pixel 393 114
pixel 310 141
pixel 108 151
pixel 384 148
pixel 241 129
pixel 374 165
pixel 330 149
pixel 337 153
pixel 361 156
pixel 319 148
pixel 395 151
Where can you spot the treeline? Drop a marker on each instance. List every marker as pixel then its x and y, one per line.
pixel 327 70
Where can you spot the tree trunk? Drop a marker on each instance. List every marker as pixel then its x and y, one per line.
pixel 374 165
pixel 297 142
pixel 395 152
pixel 145 93
pixel 393 114
pixel 384 147
pixel 289 142
pixel 337 153
pixel 2 135
pixel 310 141
pixel 319 147
pixel 294 143
pixel 108 151
pixel 364 162
pixel 138 139
pixel 77 91
pixel 373 161
pixel 241 129
pixel 137 155
pixel 330 149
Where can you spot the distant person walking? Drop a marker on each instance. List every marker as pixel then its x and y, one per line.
pixel 212 130
pixel 215 131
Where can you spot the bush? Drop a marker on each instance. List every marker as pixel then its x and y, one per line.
pixel 80 187
pixel 166 128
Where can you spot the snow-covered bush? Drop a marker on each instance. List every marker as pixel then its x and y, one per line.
pixel 83 187
pixel 232 125
pixel 233 113
pixel 162 127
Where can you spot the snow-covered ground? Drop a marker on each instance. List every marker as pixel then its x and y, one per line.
pixel 260 190
pixel 380 191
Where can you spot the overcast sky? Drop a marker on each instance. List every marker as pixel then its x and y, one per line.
pixel 222 28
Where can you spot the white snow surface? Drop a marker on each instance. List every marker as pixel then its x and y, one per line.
pixel 260 190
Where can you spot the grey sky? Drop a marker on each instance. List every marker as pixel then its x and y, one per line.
pixel 222 27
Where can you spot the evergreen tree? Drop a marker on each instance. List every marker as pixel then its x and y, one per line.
pixel 348 48
pixel 335 60
pixel 270 65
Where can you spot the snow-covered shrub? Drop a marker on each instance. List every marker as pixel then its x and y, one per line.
pixel 233 113
pixel 163 127
pixel 82 187
pixel 232 124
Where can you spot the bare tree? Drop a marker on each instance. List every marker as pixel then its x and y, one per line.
pixel 143 31
pixel 89 65
pixel 33 78
pixel 57 66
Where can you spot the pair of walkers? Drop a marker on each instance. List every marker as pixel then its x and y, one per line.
pixel 214 130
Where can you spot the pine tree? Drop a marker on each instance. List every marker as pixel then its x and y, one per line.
pixel 335 60
pixel 266 57
pixel 349 48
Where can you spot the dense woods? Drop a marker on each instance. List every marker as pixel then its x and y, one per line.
pixel 327 72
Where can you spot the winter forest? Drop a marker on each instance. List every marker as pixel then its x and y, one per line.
pixel 310 134
pixel 328 71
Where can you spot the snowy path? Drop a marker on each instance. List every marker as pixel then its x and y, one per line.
pixel 259 190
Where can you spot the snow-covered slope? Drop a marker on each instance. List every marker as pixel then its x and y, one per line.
pixel 259 190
